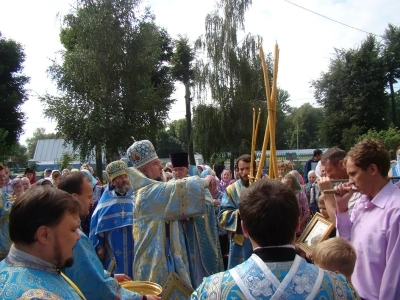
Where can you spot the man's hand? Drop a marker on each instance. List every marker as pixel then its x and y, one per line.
pixel 324 183
pixel 343 193
pixel 101 253
pixel 121 277
pixel 216 202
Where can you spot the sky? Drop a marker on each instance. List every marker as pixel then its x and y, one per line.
pixel 306 40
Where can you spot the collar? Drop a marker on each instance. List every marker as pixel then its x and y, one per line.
pixel 276 253
pixel 18 257
pixel 383 196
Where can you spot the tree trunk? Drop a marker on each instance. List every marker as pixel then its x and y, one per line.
pixel 393 100
pixel 232 165
pixel 189 126
pixel 99 163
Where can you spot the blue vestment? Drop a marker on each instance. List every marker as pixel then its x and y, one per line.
pixel 5 242
pixel 194 245
pixel 396 173
pixel 255 279
pixel 111 228
pixel 240 247
pixel 26 276
pixel 88 274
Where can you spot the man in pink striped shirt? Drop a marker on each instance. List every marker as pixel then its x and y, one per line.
pixel 373 226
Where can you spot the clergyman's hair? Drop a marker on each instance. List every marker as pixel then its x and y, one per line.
pixel 39 207
pixel 245 157
pixel 72 182
pixel 333 155
pixel 270 212
pixel 368 152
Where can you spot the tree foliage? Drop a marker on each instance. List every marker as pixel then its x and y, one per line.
pixel 182 71
pixel 114 78
pixel 12 89
pixel 167 144
pixel 232 75
pixel 352 93
pixel 391 57
pixel 178 129
pixel 390 137
pixel 304 121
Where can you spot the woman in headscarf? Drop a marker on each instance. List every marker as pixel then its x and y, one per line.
pixel 97 192
pixel 18 188
pixel 294 185
pixel 55 177
pixel 226 178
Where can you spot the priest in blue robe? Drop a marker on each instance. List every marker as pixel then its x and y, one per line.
pixel 87 271
pixel 112 220
pixel 270 218
pixel 239 246
pixel 175 231
pixel 5 206
pixel 43 227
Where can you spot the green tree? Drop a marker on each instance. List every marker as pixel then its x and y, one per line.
pixel 304 125
pixel 4 146
pixel 391 57
pixel 39 134
pixel 12 89
pixel 167 144
pixel 182 71
pixel 114 78
pixel 66 160
pixel 178 129
pixel 233 75
pixel 18 157
pixel 390 137
pixel 352 92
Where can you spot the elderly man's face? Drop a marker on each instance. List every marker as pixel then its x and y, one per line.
pixel 122 184
pixel 180 172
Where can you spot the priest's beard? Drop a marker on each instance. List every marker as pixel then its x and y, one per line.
pixel 245 182
pixel 60 264
pixel 123 189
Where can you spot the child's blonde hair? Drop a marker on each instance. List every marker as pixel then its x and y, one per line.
pixel 335 254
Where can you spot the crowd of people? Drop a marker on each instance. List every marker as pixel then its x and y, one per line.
pixel 202 232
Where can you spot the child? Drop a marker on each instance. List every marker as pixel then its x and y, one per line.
pixel 322 208
pixel 336 255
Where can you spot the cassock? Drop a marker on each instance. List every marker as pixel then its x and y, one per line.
pixel 23 276
pixel 239 246
pixel 111 228
pixel 88 274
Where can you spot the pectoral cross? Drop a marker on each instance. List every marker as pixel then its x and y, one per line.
pixel 122 214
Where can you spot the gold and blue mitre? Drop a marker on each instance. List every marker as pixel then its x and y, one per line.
pixel 115 169
pixel 141 153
